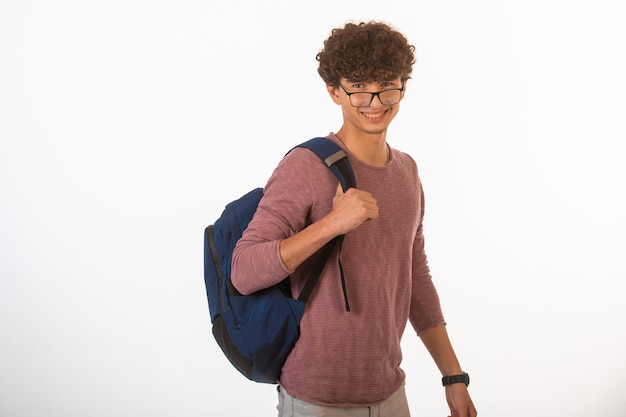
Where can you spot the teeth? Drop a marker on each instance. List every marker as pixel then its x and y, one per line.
pixel 373 116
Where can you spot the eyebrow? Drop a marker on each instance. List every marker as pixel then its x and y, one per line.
pixel 373 82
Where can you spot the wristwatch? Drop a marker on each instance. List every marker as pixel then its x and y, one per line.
pixel 456 379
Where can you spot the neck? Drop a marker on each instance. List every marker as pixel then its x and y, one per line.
pixel 370 149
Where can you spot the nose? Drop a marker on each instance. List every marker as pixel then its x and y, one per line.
pixel 376 97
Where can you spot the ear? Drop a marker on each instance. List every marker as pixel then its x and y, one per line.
pixel 334 93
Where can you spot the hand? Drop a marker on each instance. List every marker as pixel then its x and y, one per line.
pixel 352 208
pixel 459 401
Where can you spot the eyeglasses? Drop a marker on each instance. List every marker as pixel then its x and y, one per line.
pixel 386 97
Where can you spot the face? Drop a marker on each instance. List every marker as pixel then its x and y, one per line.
pixel 364 113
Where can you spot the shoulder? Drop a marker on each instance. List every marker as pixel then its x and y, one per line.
pixel 300 171
pixel 296 166
pixel 297 156
pixel 403 160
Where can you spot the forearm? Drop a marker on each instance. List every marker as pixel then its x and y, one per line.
pixel 257 264
pixel 297 248
pixel 438 345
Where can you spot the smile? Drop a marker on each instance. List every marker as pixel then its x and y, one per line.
pixel 374 116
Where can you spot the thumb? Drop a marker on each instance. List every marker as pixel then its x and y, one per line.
pixel 339 190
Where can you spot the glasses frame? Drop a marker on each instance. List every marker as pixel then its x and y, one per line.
pixel 375 94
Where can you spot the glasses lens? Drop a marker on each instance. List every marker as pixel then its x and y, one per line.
pixel 360 99
pixel 389 97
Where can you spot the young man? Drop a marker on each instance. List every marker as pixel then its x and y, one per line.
pixel 347 363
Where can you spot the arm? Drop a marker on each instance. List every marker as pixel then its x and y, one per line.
pixel 438 345
pixel 289 226
pixel 427 320
pixel 349 211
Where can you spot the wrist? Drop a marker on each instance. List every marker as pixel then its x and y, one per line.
pixel 462 378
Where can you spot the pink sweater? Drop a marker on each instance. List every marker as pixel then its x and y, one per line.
pixel 346 358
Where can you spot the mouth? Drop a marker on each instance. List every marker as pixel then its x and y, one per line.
pixel 375 116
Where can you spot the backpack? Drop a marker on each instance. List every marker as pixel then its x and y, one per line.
pixel 257 332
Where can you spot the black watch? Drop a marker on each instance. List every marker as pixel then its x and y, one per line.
pixel 456 379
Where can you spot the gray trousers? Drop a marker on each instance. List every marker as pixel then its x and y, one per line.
pixel 394 406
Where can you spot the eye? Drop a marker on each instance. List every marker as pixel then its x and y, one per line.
pixel 358 85
pixel 388 84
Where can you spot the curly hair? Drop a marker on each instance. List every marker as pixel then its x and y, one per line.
pixel 365 52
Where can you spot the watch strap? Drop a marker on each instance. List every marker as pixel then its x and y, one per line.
pixel 456 379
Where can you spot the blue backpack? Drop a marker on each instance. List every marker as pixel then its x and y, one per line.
pixel 257 332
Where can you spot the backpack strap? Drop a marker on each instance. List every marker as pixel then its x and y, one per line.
pixel 336 159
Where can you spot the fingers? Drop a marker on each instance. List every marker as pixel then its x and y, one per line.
pixel 352 208
pixel 361 201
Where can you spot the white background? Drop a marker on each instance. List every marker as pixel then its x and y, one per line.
pixel 125 126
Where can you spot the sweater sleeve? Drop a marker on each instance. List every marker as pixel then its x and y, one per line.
pixel 425 310
pixel 282 212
